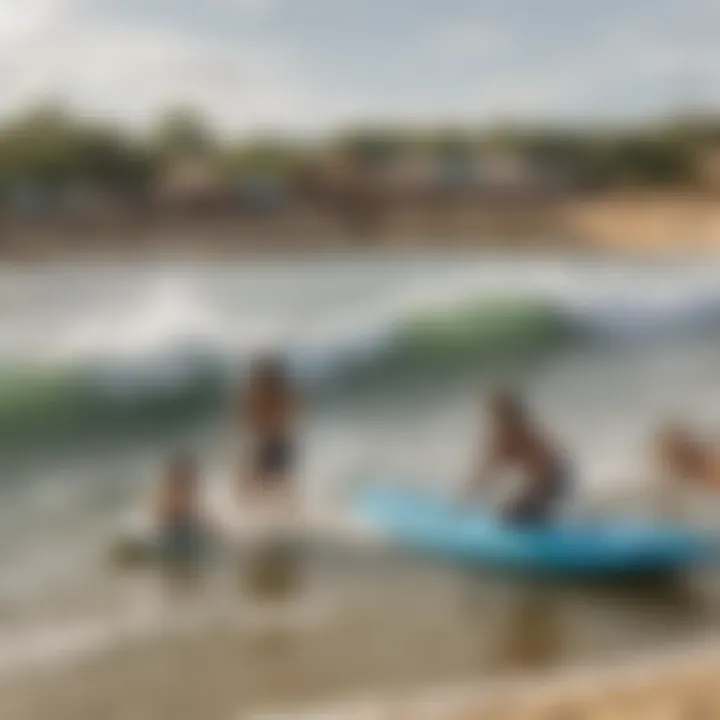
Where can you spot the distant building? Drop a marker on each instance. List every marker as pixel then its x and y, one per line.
pixel 83 200
pixel 517 174
pixel 412 175
pixel 261 194
pixel 505 171
pixel 459 173
pixel 329 179
pixel 495 173
pixel 31 200
pixel 191 185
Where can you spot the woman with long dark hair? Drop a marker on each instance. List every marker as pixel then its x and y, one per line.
pixel 269 414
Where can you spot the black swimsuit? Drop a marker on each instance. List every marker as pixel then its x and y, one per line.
pixel 538 504
pixel 181 540
pixel 273 457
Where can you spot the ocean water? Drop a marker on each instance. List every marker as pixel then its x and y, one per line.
pixel 105 369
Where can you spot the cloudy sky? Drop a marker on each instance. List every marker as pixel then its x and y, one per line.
pixel 305 65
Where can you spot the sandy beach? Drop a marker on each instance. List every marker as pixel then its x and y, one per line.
pixel 678 685
pixel 158 681
pixel 646 224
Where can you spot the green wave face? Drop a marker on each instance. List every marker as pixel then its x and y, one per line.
pixel 27 390
pixel 56 401
pixel 59 401
pixel 487 328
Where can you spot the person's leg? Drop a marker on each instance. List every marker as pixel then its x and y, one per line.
pixel 254 482
pixel 272 479
pixel 530 508
pixel 539 503
pixel 274 567
pixel 182 543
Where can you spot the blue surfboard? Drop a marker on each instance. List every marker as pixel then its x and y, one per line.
pixel 427 523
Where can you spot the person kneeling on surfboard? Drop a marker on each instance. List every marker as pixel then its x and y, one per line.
pixel 269 411
pixel 516 441
pixel 178 510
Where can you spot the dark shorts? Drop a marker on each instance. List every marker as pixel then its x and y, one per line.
pixel 540 502
pixel 182 541
pixel 273 457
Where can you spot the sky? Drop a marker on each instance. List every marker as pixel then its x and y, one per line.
pixel 309 65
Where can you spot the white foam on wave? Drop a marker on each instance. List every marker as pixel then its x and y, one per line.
pixel 175 317
pixel 168 312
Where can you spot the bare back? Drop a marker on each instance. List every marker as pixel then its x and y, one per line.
pixel 527 449
pixel 269 412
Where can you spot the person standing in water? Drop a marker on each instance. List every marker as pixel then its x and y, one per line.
pixel 516 441
pixel 269 414
pixel 177 510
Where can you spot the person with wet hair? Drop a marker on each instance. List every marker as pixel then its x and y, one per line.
pixel 178 512
pixel 517 441
pixel 269 414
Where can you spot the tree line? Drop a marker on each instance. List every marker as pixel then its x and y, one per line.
pixel 47 147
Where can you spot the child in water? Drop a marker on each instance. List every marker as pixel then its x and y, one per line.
pixel 269 412
pixel 177 509
pixel 517 441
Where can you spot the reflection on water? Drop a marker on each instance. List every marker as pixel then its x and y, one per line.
pixel 394 622
pixel 523 624
pixel 529 631
pixel 182 580
pixel 273 571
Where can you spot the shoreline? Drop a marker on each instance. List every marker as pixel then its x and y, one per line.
pixel 340 251
pixel 676 682
pixel 660 225
pixel 680 682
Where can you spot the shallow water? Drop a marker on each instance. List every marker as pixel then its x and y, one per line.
pixel 344 630
pixel 120 365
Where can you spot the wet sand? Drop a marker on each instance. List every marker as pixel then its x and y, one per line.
pixel 291 637
pixel 681 685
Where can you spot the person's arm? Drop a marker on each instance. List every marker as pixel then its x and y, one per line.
pixel 486 467
pixel 667 481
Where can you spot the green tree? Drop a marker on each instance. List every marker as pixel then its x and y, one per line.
pixel 182 131
pixel 262 156
pixel 37 147
pixel 372 147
